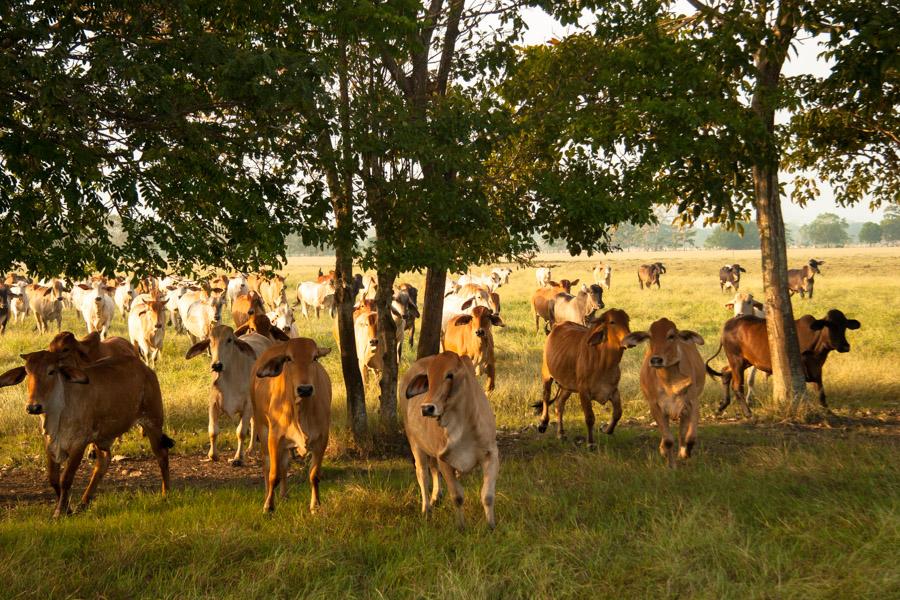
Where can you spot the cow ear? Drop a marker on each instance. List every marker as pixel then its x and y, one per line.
pixel 575 281
pixel 110 289
pixel 197 349
pixel 414 311
pixel 320 352
pixel 742 269
pixel 691 336
pixel 818 324
pixel 463 320
pixel 85 287
pixel 496 321
pixel 245 348
pixel 598 337
pixel 47 291
pixel 242 329
pixel 273 366
pixel 758 304
pixel 74 375
pixel 853 324
pixel 12 377
pixel 633 339
pixel 418 385
pixel 467 304
pixel 553 284
pixel 217 290
pixel 730 305
pixel 279 334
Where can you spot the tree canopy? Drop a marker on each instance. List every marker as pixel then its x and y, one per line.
pixel 870 233
pixel 827 229
pixel 745 238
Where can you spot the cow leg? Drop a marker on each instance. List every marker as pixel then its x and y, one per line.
pixel 726 389
pixel 456 490
pixel 53 471
pixel 213 429
pixel 537 322
pixel 423 477
pixel 101 464
pixel 751 381
pixel 68 476
pixel 561 398
pixel 436 491
pixel 688 433
pixel 589 417
pixel 252 443
pixel 616 402
pixel 160 445
pixel 284 463
pixel 273 472
pixel 241 432
pixel 314 468
pixel 545 404
pixel 640 282
pixel 412 333
pixel 490 371
pixel 490 467
pixel 738 386
pixel 820 390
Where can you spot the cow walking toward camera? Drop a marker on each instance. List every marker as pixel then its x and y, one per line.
pixel 650 274
pixel 291 395
pixel 730 277
pixel 473 336
pixel 93 404
pixel 672 379
pixel 451 429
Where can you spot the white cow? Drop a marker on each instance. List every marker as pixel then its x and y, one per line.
pixel 147 328
pixel 318 296
pixel 237 286
pixel 18 304
pixel 491 281
pixel 283 318
pixel 97 307
pixel 123 298
pixel 744 304
pixel 543 276
pixel 603 275
pixel 463 301
pixel 503 274
pixel 199 319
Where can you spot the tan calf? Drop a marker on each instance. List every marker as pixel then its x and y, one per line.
pixel 472 336
pixel 451 429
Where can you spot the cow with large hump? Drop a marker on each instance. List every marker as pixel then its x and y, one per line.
pixel 245 306
pixel 585 361
pixel 451 429
pixel 802 280
pixel 580 308
pixel 730 277
pixel 46 306
pixel 540 301
pixel 291 394
pixel 746 344
pixel 93 404
pixel 147 329
pixel 463 300
pixel 672 379
pixel 231 362
pixel 472 336
pixel 90 348
pixel 650 274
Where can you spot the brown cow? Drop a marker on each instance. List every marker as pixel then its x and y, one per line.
pixel 259 323
pixel 746 344
pixel 273 291
pixel 451 428
pixel 730 276
pixel 649 274
pixel 90 348
pixel 93 404
pixel 802 280
pixel 246 305
pixel 472 336
pixel 586 361
pixel 291 395
pixel 540 301
pixel 672 378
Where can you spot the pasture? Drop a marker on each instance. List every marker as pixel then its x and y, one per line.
pixel 765 508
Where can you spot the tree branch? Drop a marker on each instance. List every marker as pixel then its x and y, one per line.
pixel 450 36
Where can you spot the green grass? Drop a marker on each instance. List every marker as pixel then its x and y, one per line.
pixel 763 509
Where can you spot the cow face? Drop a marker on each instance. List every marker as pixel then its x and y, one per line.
pixel 835 326
pixel 612 329
pixel 224 347
pixel 665 351
pixel 595 297
pixel 295 364
pixel 46 376
pixel 445 374
pixel 814 265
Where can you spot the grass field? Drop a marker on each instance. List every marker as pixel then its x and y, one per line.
pixel 764 509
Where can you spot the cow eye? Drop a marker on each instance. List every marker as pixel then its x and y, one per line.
pixel 449 376
pixel 229 340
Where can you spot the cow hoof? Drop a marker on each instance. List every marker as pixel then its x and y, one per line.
pixel 542 427
pixel 592 446
pixel 236 462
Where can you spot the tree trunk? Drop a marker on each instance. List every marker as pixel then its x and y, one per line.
pixel 432 311
pixel 788 379
pixel 356 393
pixel 387 346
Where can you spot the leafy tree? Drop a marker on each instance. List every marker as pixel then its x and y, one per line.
pixel 870 233
pixel 744 238
pixel 827 229
pixel 679 109
pixel 890 224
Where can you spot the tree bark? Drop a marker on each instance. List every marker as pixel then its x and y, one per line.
pixel 387 346
pixel 432 311
pixel 788 378
pixel 353 383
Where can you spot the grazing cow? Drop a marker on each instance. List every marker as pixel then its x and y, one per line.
pixel 365 329
pixel 273 292
pixel 6 298
pixel 672 379
pixel 147 329
pixel 649 274
pixel 744 304
pixel 97 307
pixel 237 286
pixel 802 280
pixel 245 306
pixel 566 308
pixel 746 344
pixel 586 361
pixel 231 363
pixel 451 429
pixel 730 277
pixel 90 348
pixel 260 324
pixel 472 336
pixel 603 275
pixel 540 301
pixel 291 395
pixel 317 296
pixel 282 318
pixel 93 404
pixel 543 276
pixel 46 304
pixel 123 297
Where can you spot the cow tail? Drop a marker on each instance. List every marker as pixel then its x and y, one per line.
pixel 709 369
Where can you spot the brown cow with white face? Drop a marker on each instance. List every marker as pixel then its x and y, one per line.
pixel 291 395
pixel 472 336
pixel 93 404
pixel 672 378
pixel 451 429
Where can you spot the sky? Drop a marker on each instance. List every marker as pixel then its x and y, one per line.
pixel 542 27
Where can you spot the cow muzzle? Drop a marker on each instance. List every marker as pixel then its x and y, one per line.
pixel 216 366
pixel 304 391
pixel 479 333
pixel 843 348
pixel 429 410
pixel 657 361
pixel 373 342
pixel 34 409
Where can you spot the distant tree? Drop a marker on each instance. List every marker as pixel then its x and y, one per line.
pixel 890 224
pixel 827 229
pixel 870 233
pixel 734 239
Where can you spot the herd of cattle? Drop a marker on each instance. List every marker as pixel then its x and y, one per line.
pixel 90 391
